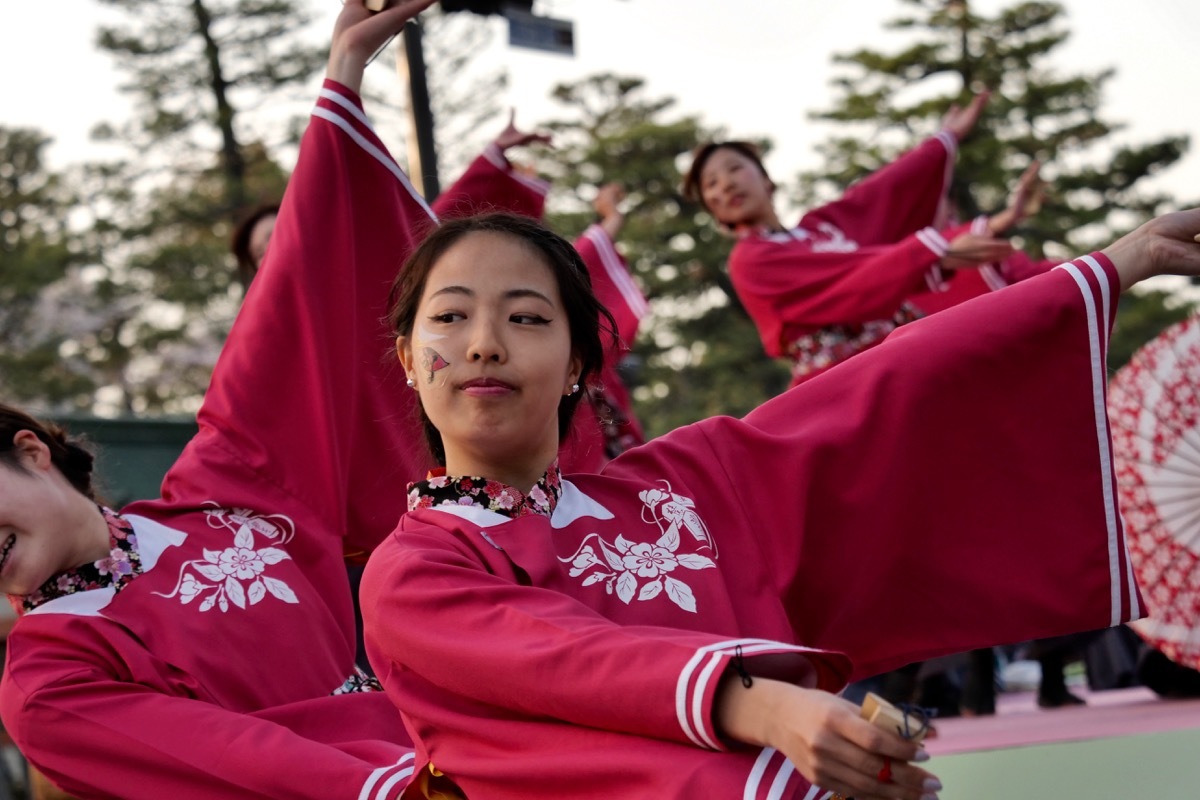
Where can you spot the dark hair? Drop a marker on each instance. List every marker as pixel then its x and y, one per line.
pixel 66 453
pixel 692 189
pixel 239 243
pixel 587 319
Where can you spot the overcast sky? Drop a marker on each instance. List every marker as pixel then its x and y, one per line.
pixel 756 67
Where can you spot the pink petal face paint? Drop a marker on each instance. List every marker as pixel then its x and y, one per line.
pixel 432 361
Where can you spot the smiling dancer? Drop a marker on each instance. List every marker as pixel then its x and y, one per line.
pixel 200 645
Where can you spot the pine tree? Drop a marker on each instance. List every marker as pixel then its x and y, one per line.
pixel 1096 188
pixel 38 253
pixel 699 353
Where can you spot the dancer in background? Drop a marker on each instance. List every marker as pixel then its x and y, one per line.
pixel 200 645
pixel 882 255
pixel 675 626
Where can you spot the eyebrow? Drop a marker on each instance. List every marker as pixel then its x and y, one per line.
pixel 511 294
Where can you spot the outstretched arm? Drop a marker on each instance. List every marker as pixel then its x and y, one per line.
pixel 100 736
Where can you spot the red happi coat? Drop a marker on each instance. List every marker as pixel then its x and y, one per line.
pixel 854 269
pixel 211 673
pixel 577 655
pixel 613 426
pixel 491 184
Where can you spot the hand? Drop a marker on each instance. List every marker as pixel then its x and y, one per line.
pixel 1024 202
pixel 1166 245
pixel 358 33
pixel 512 136
pixel 607 207
pixel 959 121
pixel 825 738
pixel 969 250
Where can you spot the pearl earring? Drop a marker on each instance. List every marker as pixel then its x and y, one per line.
pixel 574 388
pixel 411 383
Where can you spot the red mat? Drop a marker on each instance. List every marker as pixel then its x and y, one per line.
pixel 1020 723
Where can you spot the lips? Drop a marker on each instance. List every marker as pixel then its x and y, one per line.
pixel 487 387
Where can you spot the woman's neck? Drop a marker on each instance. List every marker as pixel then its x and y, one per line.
pixel 92 541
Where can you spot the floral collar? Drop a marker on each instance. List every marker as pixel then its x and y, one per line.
pixel 440 489
pixel 117 569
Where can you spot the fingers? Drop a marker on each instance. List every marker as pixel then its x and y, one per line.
pixel 866 762
pixel 359 33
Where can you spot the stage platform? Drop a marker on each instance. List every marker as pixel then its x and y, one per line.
pixel 1126 743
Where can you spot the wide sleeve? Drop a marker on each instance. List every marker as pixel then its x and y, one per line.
pixel 896 200
pixel 612 283
pixel 950 489
pixel 491 183
pixel 437 617
pixel 98 735
pixel 305 397
pixel 789 287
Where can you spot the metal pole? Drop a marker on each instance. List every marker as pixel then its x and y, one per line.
pixel 422 113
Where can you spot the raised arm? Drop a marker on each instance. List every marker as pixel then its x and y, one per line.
pixel 303 397
pixel 611 280
pixel 493 183
pixel 908 194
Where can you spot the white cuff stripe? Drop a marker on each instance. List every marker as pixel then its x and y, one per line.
pixel 781 781
pixel 385 791
pixel 616 271
pixel 935 279
pixel 373 778
pixel 994 280
pixel 1100 414
pixel 536 184
pixel 349 105
pixel 495 157
pixel 693 723
pixel 756 774
pixel 373 151
pixel 1135 609
pixel 934 240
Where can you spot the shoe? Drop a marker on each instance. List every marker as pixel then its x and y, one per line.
pixel 1059 700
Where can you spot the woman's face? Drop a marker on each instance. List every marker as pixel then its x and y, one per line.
pixel 260 237
pixel 37 506
pixel 490 353
pixel 735 190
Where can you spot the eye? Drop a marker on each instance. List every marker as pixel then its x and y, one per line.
pixel 529 319
pixel 447 317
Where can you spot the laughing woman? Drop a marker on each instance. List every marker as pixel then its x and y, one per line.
pixel 201 645
pixel 676 626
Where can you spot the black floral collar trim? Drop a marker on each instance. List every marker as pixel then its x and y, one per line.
pixel 440 489
pixel 117 569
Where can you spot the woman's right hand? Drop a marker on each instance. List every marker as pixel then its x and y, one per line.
pixel 825 738
pixel 970 250
pixel 358 33
pixel 1166 245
